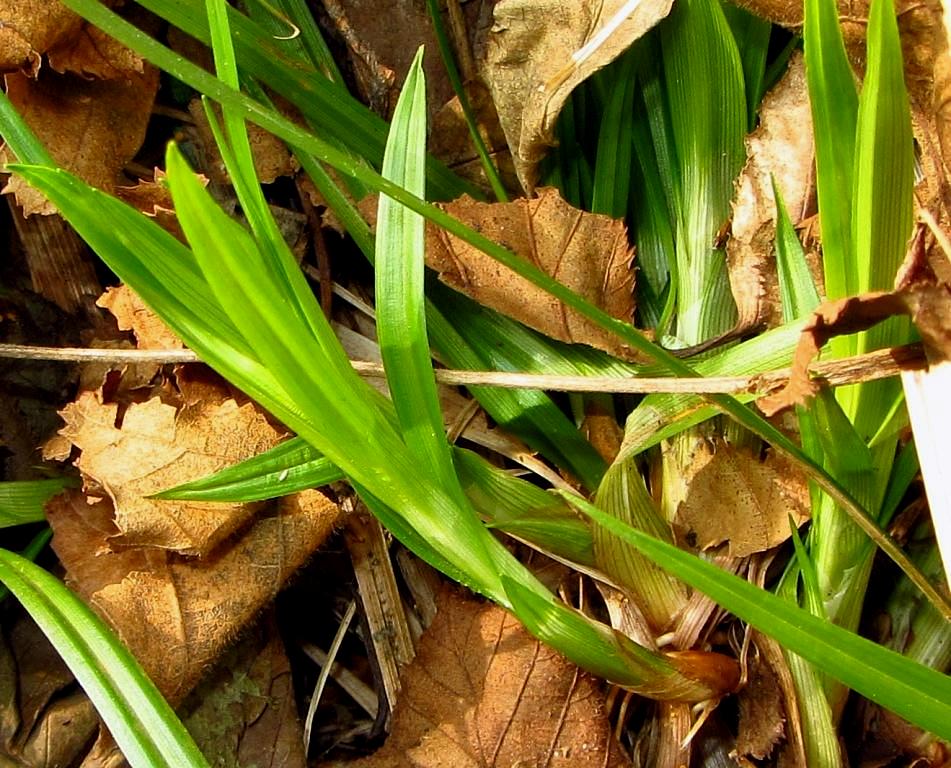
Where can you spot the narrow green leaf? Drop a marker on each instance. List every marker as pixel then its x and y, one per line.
pixel 917 693
pixel 139 719
pixel 834 100
pixel 612 166
pixel 400 282
pixel 23 501
pixel 797 289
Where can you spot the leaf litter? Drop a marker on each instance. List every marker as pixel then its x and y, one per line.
pixel 482 692
pixel 502 700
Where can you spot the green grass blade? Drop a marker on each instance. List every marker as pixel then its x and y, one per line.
pixel 291 466
pixel 328 108
pixel 917 693
pixel 612 166
pixel 797 290
pixel 706 94
pixel 455 80
pixel 145 728
pixel 400 281
pixel 22 501
pixel 834 101
pixel 30 552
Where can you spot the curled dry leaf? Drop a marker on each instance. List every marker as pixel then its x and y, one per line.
pixel 178 615
pixel 156 447
pixel 30 28
pixel 90 127
pixel 730 495
pixel 928 305
pixel 482 691
pixel 781 148
pixel 132 314
pixel 529 66
pixel 588 253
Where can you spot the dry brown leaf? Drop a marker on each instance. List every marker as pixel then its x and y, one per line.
pixel 29 28
pixel 90 127
pixel 588 253
pixel 762 721
pixel 44 720
pixel 156 447
pixel 929 307
pixel 781 148
pixel 451 141
pixel 132 314
pixel 244 713
pixel 528 64
pixel 154 199
pixel 382 37
pixel 483 692
pixel 179 615
pixel 730 495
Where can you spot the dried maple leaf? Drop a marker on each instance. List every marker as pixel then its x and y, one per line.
pixel 177 615
pixel 589 253
pixel 529 67
pixel 781 148
pixel 157 447
pixel 730 495
pixel 482 691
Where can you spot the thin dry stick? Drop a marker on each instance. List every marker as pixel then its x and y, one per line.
pixel 325 671
pixel 880 364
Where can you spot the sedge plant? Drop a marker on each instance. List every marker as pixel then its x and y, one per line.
pixel 237 297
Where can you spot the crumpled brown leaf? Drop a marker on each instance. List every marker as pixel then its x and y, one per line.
pixel 781 147
pixel 928 305
pixel 29 28
pixel 178 615
pixel 482 691
pixel 90 107
pixel 730 495
pixel 587 252
pixel 155 447
pixel 90 127
pixel 44 720
pixel 132 314
pixel 528 65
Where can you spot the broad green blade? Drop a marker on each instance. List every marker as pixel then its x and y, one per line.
pixel 602 651
pixel 400 285
pixel 916 693
pixel 612 166
pixel 144 726
pixel 291 466
pixel 797 290
pixel 706 94
pixel 835 105
pixel 23 501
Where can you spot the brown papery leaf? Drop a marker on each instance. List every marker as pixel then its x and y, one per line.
pixel 157 447
pixel 589 253
pixel 30 28
pixel 732 496
pixel 529 67
pixel 177 615
pixel 781 148
pixel 132 314
pixel 90 127
pixel 929 307
pixel 483 692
